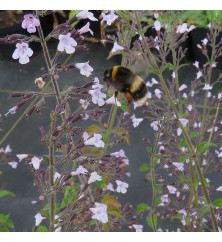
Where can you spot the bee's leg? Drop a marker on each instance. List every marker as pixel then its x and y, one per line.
pixel 107 85
pixel 129 101
pixel 116 95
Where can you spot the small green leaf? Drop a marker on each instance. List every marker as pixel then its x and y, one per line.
pixel 141 207
pixel 6 193
pixel 4 230
pixel 46 159
pixel 101 184
pixel 42 229
pixel 94 129
pixel 124 106
pixel 152 220
pixel 205 146
pixel 158 201
pixel 144 167
pixel 218 203
pixel 182 158
pixel 183 142
pixel 150 150
pixel 193 135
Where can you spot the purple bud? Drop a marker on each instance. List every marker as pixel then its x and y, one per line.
pixel 42 130
pixel 77 118
pixel 16 94
pixel 27 96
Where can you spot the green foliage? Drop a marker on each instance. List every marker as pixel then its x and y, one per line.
pixel 6 193
pixel 42 229
pixel 218 203
pixel 142 207
pixel 144 167
pixel 101 184
pixel 152 220
pixel 5 223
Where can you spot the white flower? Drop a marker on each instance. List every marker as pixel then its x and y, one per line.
pixel 184 121
pixel 179 131
pixel 22 156
pixel 180 166
pixel 189 107
pixel 85 136
pixel 182 28
pixel 67 43
pixel 94 177
pixel 100 212
pixel 84 103
pixel 136 105
pixel 157 25
pixel 155 125
pixel 98 97
pixel 184 95
pixel 219 189
pixel 36 162
pixel 13 164
pixel 80 170
pixel 38 219
pixel 219 96
pixel 121 186
pixel 56 176
pixel 95 140
pixel 172 189
pixel 113 100
pixel 207 87
pixel 110 187
pixel 97 85
pixel 120 153
pixel 136 121
pixel 22 52
pixel 154 81
pixel 199 74
pixel 204 41
pixel 138 227
pixel 109 18
pixel 86 14
pixel 158 93
pixel 116 47
pixel 173 75
pixel 196 63
pixel 85 29
pixel 182 87
pixel 85 68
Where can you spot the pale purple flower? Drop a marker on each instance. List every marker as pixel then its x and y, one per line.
pixel 154 81
pixel 138 227
pixel 97 85
pixel 121 186
pixel 84 103
pixel 67 43
pixel 120 153
pixel 12 110
pixel 136 105
pixel 184 121
pixel 182 87
pixel 7 149
pixel 219 95
pixel 199 74
pixel 173 74
pixel 36 162
pixel 179 166
pixel 94 177
pixel 189 107
pixel 56 176
pixel 214 65
pixel 13 164
pixel 22 52
pixel 126 161
pixel 22 156
pixel 149 95
pixel 100 212
pixel 157 25
pixel 109 18
pixel 209 25
pixel 38 219
pixel 85 68
pixel 207 87
pixel 155 125
pixel 98 97
pixel 182 28
pixel 158 93
pixel 149 84
pixel 184 95
pixel 113 100
pixel 204 41
pixel 85 136
pixel 85 29
pixel 34 202
pixel 30 23
pixel 96 141
pixel 136 121
pixel 86 14
pixel 191 28
pixel 197 125
pixel 80 170
pixel 196 63
pixel 219 189
pixel 116 47
pixel 179 131
pixel 110 187
pixel 172 189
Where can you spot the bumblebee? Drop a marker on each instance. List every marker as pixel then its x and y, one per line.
pixel 125 81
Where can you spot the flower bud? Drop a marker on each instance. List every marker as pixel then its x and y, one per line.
pixel 28 114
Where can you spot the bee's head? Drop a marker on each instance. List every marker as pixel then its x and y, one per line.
pixel 107 75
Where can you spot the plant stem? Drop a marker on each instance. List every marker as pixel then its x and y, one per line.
pixel 181 126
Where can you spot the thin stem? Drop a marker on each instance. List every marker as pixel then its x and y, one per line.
pixel 181 126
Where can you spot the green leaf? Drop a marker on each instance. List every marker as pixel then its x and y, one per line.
pixel 10 224
pixel 92 151
pixel 6 193
pixel 101 184
pixel 152 220
pixel 144 167
pixel 141 207
pixel 158 201
pixel 4 230
pixel 94 129
pixel 124 106
pixel 183 142
pixel 205 146
pixel 218 203
pixel 46 159
pixel 42 229
pixel 150 150
pixel 107 199
pixel 155 159
pixel 193 135
pixel 182 158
